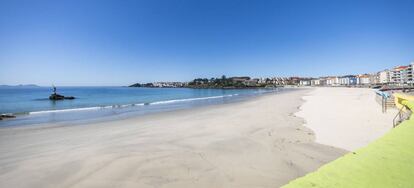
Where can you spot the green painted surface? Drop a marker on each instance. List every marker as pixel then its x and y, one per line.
pixel 408 104
pixel 386 162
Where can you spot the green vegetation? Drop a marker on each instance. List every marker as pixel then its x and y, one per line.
pixel 386 162
pixel 224 82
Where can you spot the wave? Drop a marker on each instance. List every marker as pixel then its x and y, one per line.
pixel 65 110
pixel 127 105
pixel 190 99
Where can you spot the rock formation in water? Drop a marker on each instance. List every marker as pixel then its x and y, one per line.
pixel 56 96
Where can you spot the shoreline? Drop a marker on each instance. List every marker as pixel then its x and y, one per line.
pixel 258 91
pixel 119 112
pixel 155 115
pixel 254 143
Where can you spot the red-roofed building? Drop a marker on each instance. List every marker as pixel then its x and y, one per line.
pixel 402 75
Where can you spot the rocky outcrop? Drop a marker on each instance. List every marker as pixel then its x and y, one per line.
pixel 55 97
pixel 6 116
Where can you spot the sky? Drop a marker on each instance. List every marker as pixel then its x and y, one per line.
pixel 102 43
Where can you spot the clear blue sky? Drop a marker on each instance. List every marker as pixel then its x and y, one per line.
pixel 100 42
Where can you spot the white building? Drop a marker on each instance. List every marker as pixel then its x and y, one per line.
pixel 401 75
pixel 384 77
pixel 305 82
pixel 262 81
pixel 343 81
pixel 315 82
pixel 347 80
pixel 373 79
pixel 410 73
pixel 364 79
pixel 332 81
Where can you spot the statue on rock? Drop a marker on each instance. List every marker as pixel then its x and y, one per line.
pixel 55 96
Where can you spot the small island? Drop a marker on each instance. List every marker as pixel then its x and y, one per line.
pixel 54 96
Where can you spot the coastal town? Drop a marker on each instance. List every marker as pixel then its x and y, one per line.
pixel 395 77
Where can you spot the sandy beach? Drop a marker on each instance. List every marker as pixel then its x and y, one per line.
pixel 255 143
pixel 347 118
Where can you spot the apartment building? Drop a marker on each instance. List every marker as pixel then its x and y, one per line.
pixel 402 75
pixel 315 82
pixel 384 77
pixel 305 82
pixel 347 80
pixel 364 79
pixel 332 81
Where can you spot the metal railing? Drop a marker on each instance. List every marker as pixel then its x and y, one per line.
pixel 385 100
pixel 403 114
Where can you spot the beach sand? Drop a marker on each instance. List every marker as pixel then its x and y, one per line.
pixel 347 118
pixel 385 162
pixel 254 143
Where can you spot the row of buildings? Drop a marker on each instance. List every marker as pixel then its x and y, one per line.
pixel 397 76
pixel 169 84
pixel 160 84
pixel 347 80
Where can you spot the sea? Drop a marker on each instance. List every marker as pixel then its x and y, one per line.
pixel 31 105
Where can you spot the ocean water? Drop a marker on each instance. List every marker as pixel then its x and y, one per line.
pixel 32 106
